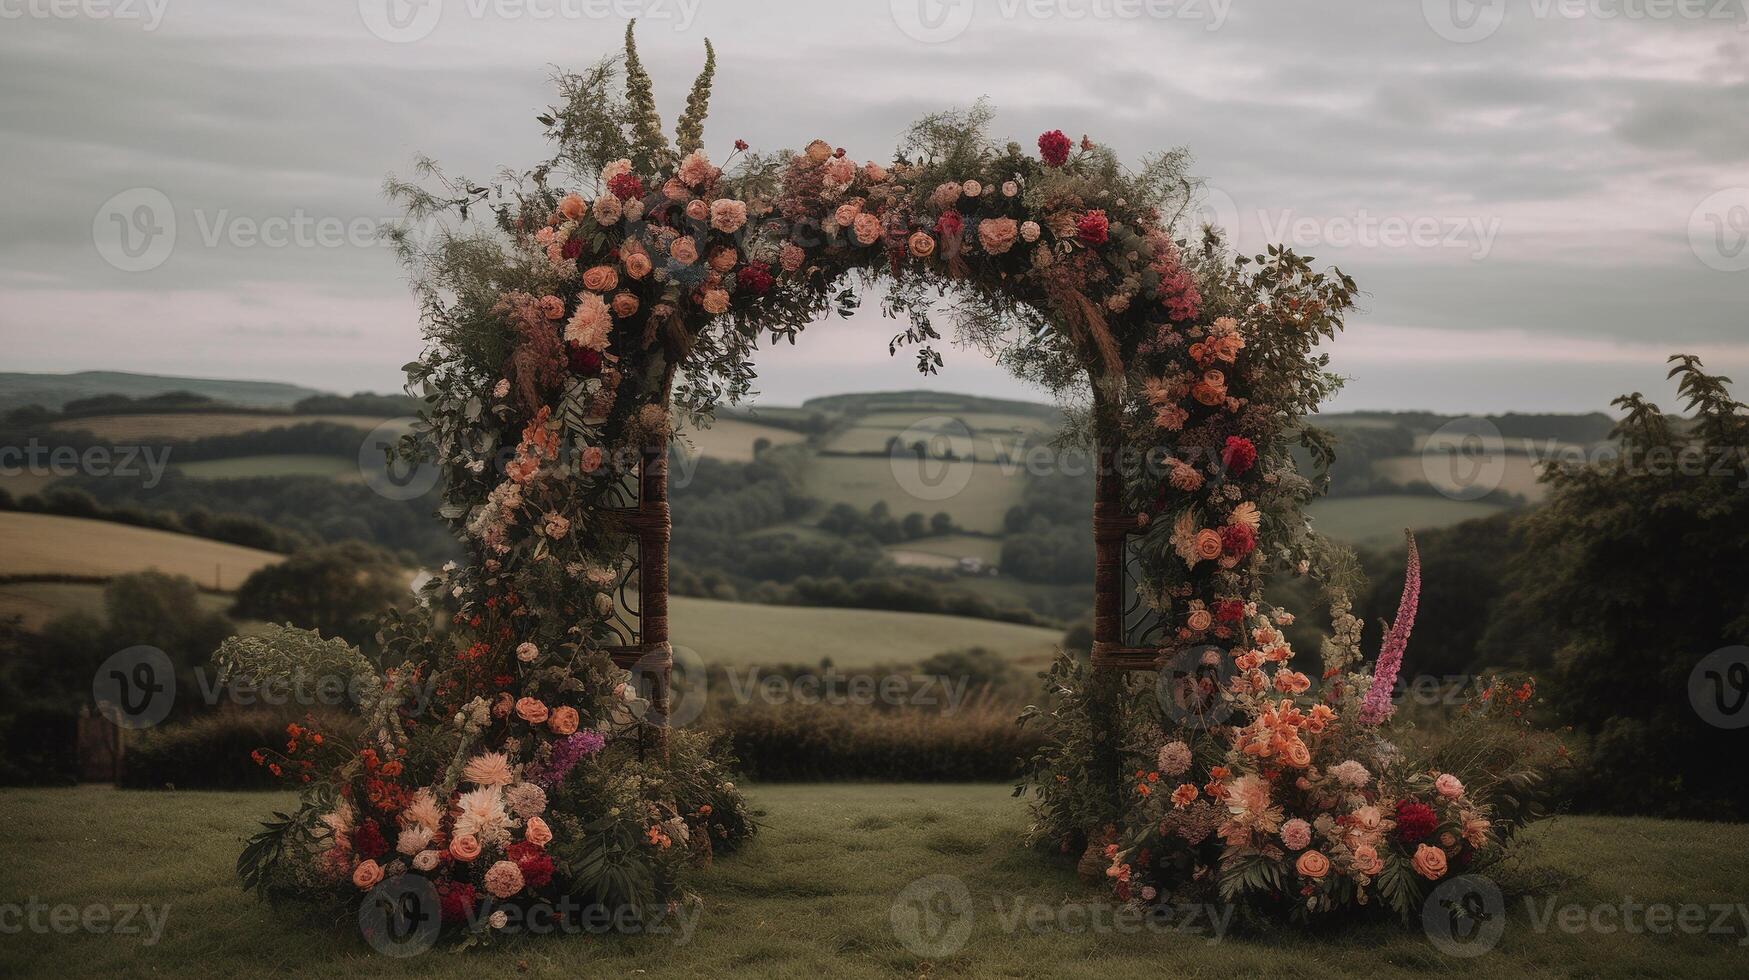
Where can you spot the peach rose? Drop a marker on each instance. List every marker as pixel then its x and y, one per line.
pixel 840 171
pixel 502 707
pixel 1429 862
pixel 997 234
pixel 818 151
pixel 1208 544
pixel 683 251
pixel 723 258
pixel 728 216
pixel 607 209
pixel 637 264
pixel 531 710
pixel 874 173
pixel 1029 231
pixel 698 210
pixel 600 278
pixel 537 832
pixel 696 169
pixel 624 304
pixel 714 301
pixel 465 847
pixel 1366 860
pixel 571 207
pixel 1449 786
pixel 868 228
pixel 845 214
pixel 1312 864
pixel 790 257
pixel 564 720
pixel 1199 620
pixel 552 307
pixel 921 244
pixel 367 874
pixel 1298 755
pixel 674 190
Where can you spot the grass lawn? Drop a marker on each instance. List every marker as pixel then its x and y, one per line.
pixel 814 896
pixel 748 633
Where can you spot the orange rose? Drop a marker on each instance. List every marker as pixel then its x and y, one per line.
pixel 845 214
pixel 564 720
pixel 637 264
pixel 683 251
pixel 1298 755
pixel 818 151
pixel 600 278
pixel 1366 860
pixel 1208 544
pixel 922 245
pixel 1429 862
pixel 464 848
pixel 537 832
pixel 571 207
pixel 531 710
pixel 714 301
pixel 698 210
pixel 868 228
pixel 624 304
pixel 1184 795
pixel 1312 865
pixel 366 875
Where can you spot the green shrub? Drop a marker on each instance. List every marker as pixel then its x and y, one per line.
pixel 795 743
pixel 212 752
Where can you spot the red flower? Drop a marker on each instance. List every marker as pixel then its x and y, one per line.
pixel 1229 610
pixel 626 185
pixel 534 862
pixel 1093 228
pixel 456 900
pixel 1237 540
pixel 368 841
pixel 1239 455
pixel 754 278
pixel 585 361
pixel 572 248
pixel 950 224
pixel 740 144
pixel 1415 821
pixel 1054 148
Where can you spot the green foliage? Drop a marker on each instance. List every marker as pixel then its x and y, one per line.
pixel 339 589
pixel 689 131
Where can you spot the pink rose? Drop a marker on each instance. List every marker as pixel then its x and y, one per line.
pixel 698 210
pixel 366 875
pixel 1429 862
pixel 1449 786
pixel 531 710
pixel 728 216
pixel 465 847
pixel 537 832
pixel 868 228
pixel 683 251
pixel 997 234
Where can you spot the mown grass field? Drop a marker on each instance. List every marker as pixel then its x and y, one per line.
pixel 814 896
pixel 862 481
pixel 1378 521
pixel 745 634
pixel 194 425
pixel 731 440
pixel 45 544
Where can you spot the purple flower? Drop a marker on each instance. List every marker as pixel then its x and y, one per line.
pixel 1376 706
pixel 573 749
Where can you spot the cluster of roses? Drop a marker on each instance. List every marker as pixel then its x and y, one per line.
pixel 485 840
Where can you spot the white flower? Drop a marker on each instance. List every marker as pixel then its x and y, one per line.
pixel 499 919
pixel 413 840
pixel 425 861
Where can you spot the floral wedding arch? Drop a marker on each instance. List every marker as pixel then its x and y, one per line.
pixel 626 281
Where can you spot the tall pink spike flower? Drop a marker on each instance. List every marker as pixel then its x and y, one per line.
pixel 1377 706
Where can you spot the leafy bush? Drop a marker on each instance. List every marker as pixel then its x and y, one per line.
pixel 213 752
pixel 802 743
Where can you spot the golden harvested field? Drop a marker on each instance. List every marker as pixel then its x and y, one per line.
pixel 731 440
pixel 1518 474
pixel 44 544
pixel 193 425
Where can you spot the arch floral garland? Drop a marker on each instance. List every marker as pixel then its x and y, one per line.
pixel 625 281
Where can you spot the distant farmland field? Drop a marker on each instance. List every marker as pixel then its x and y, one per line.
pixel 193 425
pixel 731 440
pixel 44 544
pixel 40 602
pixel 1378 521
pixel 862 481
pixel 335 467
pixel 1519 476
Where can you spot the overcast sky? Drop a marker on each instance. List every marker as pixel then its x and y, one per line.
pixel 1541 198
